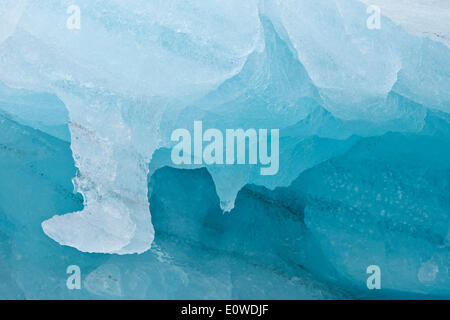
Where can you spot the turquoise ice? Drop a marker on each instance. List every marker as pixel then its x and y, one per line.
pixel 86 176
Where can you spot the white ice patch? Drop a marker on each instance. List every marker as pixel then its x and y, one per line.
pixel 429 18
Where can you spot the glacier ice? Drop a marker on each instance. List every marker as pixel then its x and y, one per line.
pixel 85 123
pixel 405 203
pixel 109 150
pixel 20 105
pixel 423 17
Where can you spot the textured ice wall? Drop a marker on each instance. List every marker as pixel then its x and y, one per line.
pixel 367 183
pixel 134 64
pixel 427 18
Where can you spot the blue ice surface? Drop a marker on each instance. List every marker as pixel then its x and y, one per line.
pixel 350 193
pixel 384 201
pixel 183 264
